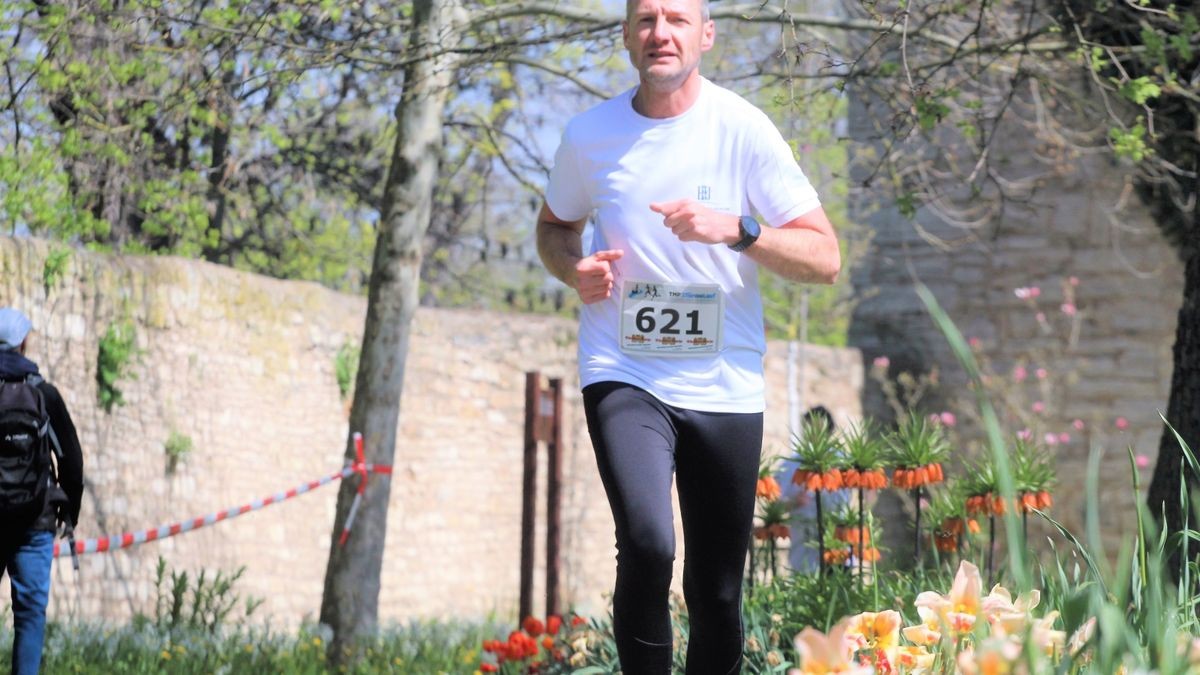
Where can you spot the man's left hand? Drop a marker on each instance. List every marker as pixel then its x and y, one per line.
pixel 691 221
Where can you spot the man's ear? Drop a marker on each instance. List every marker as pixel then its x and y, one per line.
pixel 625 33
pixel 709 36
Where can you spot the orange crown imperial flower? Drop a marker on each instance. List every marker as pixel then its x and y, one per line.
pixel 768 488
pixel 816 480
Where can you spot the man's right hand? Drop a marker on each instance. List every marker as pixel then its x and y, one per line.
pixel 594 275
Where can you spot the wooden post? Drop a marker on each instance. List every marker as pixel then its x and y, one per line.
pixel 529 491
pixel 553 496
pixel 543 423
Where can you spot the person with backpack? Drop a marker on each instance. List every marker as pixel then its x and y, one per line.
pixel 41 485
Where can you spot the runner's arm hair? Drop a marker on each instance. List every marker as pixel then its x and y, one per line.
pixel 804 249
pixel 560 244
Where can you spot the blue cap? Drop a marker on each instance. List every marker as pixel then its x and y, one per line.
pixel 14 326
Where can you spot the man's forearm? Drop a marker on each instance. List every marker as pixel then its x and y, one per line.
pixel 559 247
pixel 798 254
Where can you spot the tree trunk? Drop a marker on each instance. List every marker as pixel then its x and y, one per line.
pixel 1183 412
pixel 351 598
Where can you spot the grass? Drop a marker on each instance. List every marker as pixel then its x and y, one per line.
pixel 137 648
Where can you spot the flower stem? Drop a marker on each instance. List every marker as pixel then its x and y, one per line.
pixel 917 531
pixel 820 535
pixel 991 545
pixel 862 526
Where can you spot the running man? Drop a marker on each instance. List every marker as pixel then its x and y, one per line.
pixel 671 341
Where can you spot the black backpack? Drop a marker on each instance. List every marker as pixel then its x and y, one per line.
pixel 26 441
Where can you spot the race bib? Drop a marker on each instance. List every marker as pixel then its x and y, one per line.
pixel 660 319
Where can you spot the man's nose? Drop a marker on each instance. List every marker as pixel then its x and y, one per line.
pixel 661 32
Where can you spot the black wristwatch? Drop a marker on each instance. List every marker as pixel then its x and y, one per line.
pixel 749 228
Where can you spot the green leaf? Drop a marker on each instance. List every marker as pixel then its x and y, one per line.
pixel 1140 90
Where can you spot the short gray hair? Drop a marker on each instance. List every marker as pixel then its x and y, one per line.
pixel 704 13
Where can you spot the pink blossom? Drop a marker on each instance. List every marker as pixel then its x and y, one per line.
pixel 1041 317
pixel 1078 424
pixel 933 418
pixel 1122 423
pixel 1025 434
pixel 1142 461
pixel 974 342
pixel 1039 407
pixel 1068 308
pixel 1064 437
pixel 1051 439
pixel 1027 292
pixel 1074 281
pixel 881 362
pixel 1019 374
pixel 948 418
pixel 1041 373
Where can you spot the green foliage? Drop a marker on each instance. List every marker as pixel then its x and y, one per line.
pixel 203 604
pixel 143 649
pixel 345 367
pixel 864 447
pixel 917 442
pixel 1140 90
pixel 1130 143
pixel 53 268
pixel 818 447
pixel 178 447
pixel 115 356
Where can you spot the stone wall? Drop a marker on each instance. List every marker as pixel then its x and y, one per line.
pixel 1084 361
pixel 244 366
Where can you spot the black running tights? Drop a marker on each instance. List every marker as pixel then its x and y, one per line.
pixel 639 441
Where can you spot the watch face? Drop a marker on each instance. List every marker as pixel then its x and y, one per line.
pixel 750 230
pixel 750 227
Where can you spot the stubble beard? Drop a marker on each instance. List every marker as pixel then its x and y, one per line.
pixel 668 81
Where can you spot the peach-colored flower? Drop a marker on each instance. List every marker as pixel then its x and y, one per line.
pixel 993 656
pixel 1045 637
pixel 958 609
pixel 1122 423
pixel 928 632
pixel 913 659
pixel 1081 636
pixel 1010 615
pixel 875 630
pixel 820 653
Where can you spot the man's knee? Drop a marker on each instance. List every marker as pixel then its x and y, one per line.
pixel 649 550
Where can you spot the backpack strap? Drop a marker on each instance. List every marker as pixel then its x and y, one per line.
pixel 35 379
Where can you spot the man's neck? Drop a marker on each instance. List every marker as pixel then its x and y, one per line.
pixel 661 102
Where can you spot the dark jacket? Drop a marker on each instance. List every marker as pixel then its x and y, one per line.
pixel 14 366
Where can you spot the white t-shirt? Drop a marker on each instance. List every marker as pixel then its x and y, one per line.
pixel 723 152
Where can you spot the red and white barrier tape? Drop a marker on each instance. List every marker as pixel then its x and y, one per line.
pixel 128 539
